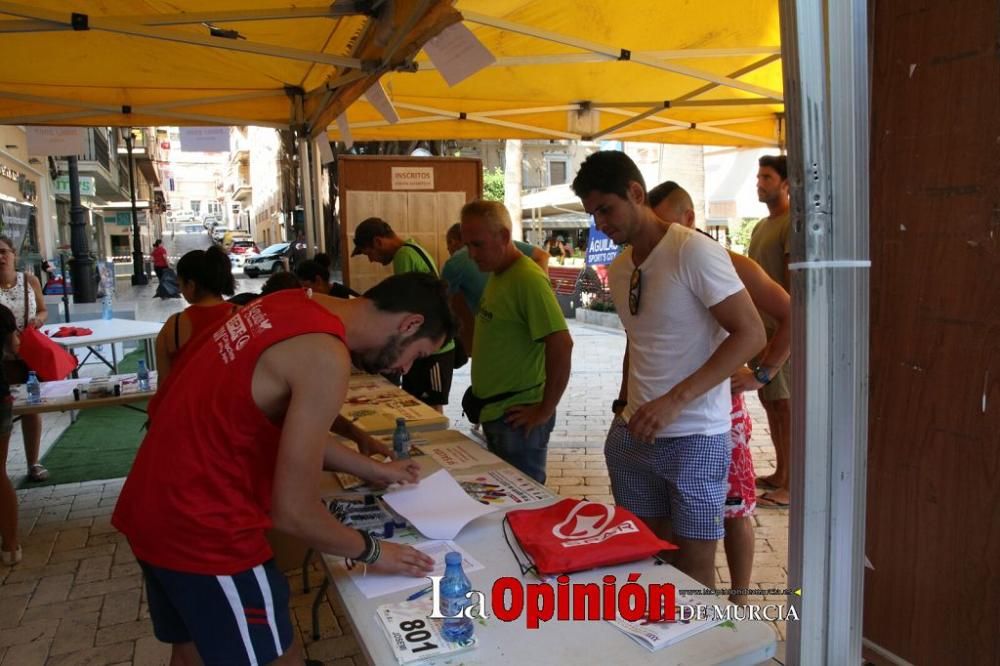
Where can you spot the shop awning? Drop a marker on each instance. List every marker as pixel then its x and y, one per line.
pixel 203 62
pixel 649 70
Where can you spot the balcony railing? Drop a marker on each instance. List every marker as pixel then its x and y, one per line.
pixel 97 147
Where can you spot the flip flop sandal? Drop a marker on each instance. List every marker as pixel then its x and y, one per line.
pixel 765 502
pixel 764 485
pixel 38 473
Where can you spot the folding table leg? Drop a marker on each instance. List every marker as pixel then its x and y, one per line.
pixel 305 571
pixel 316 604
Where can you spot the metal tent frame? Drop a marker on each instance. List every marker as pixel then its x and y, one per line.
pixel 826 75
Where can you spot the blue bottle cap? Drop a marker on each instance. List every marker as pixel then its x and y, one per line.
pixel 452 558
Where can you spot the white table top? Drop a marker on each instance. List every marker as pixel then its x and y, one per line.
pixel 106 331
pixel 504 643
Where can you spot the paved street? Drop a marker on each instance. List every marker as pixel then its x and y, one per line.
pixel 77 597
pixel 178 243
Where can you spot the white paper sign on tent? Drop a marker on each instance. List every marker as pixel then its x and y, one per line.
pixel 325 152
pixel 457 53
pixel 345 130
pixel 437 506
pixel 204 139
pixel 57 140
pixel 376 97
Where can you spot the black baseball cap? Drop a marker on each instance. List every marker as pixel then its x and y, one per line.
pixel 366 233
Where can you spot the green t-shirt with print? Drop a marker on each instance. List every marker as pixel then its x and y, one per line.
pixel 517 312
pixel 409 260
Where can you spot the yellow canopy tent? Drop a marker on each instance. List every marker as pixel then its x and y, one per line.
pixel 674 71
pixel 202 62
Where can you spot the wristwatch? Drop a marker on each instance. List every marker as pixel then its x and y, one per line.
pixel 618 405
pixel 761 374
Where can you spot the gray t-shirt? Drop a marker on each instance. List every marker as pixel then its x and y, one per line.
pixel 769 243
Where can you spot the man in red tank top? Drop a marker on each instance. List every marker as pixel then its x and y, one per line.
pixel 237 446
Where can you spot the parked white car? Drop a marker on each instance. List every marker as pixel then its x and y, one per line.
pixel 267 262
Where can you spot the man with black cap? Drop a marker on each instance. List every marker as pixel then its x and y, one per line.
pixel 429 379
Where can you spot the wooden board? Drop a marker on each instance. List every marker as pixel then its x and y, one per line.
pixel 366 190
pixel 934 458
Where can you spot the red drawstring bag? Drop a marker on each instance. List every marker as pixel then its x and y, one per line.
pixel 574 535
pixel 49 361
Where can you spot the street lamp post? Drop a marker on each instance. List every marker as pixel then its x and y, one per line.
pixel 138 271
pixel 82 268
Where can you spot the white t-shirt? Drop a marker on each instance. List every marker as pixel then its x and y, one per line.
pixel 674 333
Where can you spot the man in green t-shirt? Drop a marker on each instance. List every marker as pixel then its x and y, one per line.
pixel 429 378
pixel 521 348
pixel 769 247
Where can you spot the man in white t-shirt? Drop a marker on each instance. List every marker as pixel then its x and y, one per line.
pixel 690 325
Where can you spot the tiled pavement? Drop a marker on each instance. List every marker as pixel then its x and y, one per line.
pixel 77 596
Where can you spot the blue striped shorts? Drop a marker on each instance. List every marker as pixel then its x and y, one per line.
pixel 238 619
pixel 684 479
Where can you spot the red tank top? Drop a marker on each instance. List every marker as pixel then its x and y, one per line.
pixel 198 497
pixel 202 318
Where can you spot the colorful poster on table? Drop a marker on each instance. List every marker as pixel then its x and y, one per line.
pixel 502 487
pixel 373 404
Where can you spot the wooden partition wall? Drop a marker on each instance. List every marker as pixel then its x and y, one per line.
pixel 420 197
pixel 933 531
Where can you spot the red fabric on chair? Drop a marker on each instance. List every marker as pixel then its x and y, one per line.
pixel 49 361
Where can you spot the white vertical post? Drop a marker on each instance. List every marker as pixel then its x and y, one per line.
pixel 513 155
pixel 305 175
pixel 824 47
pixel 318 190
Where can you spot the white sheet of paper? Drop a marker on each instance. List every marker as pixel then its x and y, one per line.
pixel 457 53
pixel 325 151
pixel 376 97
pixel 345 130
pixel 376 585
pixel 437 506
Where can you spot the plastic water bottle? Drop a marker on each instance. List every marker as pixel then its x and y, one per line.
pixel 34 389
pixel 107 310
pixel 454 587
pixel 143 375
pixel 401 440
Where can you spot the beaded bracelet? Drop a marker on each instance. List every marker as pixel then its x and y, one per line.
pixel 371 553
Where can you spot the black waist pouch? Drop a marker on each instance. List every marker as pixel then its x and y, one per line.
pixel 473 405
